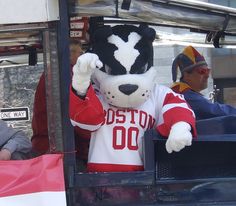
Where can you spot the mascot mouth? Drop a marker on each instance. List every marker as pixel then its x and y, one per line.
pixel 125 91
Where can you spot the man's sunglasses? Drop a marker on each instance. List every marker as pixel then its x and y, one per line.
pixel 203 71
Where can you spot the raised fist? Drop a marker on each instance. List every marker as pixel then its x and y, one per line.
pixel 83 70
pixel 179 137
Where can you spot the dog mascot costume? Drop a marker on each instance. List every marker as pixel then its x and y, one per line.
pixel 124 100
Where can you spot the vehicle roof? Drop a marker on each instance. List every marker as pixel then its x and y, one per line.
pixel 193 14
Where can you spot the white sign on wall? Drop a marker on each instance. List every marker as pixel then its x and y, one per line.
pixel 15 114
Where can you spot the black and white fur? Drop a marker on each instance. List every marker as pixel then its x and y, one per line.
pixel 127 76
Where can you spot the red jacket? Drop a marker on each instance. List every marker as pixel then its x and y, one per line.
pixel 40 139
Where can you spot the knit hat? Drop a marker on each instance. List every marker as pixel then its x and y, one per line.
pixel 187 61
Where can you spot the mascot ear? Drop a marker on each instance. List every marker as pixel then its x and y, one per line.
pixel 147 32
pixel 101 34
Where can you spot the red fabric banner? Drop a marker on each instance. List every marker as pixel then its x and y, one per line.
pixel 40 177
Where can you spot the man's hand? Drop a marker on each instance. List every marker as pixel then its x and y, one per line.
pixel 179 137
pixel 83 70
pixel 5 154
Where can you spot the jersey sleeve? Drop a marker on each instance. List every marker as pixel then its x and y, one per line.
pixel 175 109
pixel 86 113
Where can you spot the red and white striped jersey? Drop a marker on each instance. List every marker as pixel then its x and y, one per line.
pixel 116 133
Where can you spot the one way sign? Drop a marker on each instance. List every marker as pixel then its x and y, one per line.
pixel 14 114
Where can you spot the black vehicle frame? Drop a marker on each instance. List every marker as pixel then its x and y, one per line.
pixel 204 174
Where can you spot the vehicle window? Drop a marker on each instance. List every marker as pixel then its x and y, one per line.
pixel 20 68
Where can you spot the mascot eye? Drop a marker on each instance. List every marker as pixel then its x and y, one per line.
pixel 141 70
pixel 107 69
pixel 144 68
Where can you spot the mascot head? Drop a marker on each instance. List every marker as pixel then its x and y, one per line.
pixel 127 76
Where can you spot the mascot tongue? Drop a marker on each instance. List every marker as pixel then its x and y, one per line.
pixel 127 76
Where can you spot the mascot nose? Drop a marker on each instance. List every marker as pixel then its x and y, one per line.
pixel 128 88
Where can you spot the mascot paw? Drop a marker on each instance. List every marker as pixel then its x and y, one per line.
pixel 179 137
pixel 83 70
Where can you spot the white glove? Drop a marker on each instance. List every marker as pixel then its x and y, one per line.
pixel 179 137
pixel 83 70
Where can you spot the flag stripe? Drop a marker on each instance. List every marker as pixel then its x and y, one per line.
pixel 35 199
pixel 43 173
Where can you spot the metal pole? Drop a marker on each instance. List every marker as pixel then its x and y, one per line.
pixel 65 81
pixel 53 95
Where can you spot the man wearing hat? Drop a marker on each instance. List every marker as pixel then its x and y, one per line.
pixel 194 78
